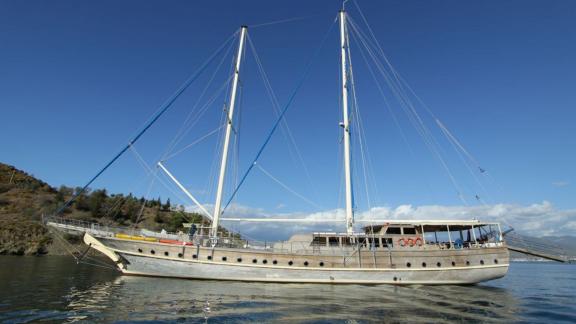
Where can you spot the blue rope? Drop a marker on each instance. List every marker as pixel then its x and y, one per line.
pixel 162 110
pixel 290 99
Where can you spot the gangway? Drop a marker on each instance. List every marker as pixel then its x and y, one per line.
pixel 535 247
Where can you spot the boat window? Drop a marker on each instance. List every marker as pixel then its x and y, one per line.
pixel 393 230
pixel 322 263
pixel 496 261
pixel 409 230
pixel 140 250
pixel 194 256
pixel 306 263
pixel 386 242
pixel 438 264
pixel 152 251
pixel 408 264
pixel 274 262
pixel 319 240
pixel 254 261
pixel 239 260
pixel 453 263
pixel 264 261
pixel 166 253
pixel 374 241
pixel 333 241
pixel 224 258
pixel 423 264
pixel 209 257
pixel 180 255
pixel 346 241
pixel 290 263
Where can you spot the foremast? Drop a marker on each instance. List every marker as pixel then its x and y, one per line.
pixel 346 125
pixel 229 128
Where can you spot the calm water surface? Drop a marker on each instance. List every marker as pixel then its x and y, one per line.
pixel 55 289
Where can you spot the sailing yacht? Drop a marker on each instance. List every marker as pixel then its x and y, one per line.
pixel 431 252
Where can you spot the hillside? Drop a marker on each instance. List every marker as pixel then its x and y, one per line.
pixel 23 200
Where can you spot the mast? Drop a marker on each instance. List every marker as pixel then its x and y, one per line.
pixel 346 125
pixel 224 162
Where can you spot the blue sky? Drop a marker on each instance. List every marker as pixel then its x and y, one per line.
pixel 77 79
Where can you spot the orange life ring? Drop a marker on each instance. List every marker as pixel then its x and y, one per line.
pixel 402 242
pixel 411 242
pixel 418 241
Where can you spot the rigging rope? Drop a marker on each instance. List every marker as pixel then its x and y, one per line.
pixel 279 119
pixel 292 191
pixel 163 108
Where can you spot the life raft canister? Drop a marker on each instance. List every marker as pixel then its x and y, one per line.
pixel 418 241
pixel 402 242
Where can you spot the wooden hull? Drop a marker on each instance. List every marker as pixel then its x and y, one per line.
pixel 372 267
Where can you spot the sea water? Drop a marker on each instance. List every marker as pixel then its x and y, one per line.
pixel 56 289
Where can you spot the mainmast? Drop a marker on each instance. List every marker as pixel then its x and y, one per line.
pixel 224 162
pixel 346 125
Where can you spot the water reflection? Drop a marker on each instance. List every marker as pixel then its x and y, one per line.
pixel 62 291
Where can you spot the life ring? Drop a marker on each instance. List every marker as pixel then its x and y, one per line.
pixel 411 242
pixel 402 242
pixel 418 241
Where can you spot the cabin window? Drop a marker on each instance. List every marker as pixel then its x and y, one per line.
pixel 408 264
pixel 239 260
pixel 180 255
pixel 321 263
pixel 482 262
pixel 467 263
pixel 319 241
pixel 152 251
pixel 224 258
pixel 346 241
pixel 453 263
pixel 194 256
pixel 409 230
pixel 361 241
pixel 386 242
pixel 393 230
pixel 438 264
pixel 374 241
pixel 264 261
pixel 306 263
pixel 423 264
pixel 254 261
pixel 275 262
pixel 290 263
pixel 496 261
pixel 333 241
pixel 209 257
pixel 166 253
pixel 140 250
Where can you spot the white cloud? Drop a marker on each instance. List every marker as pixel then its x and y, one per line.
pixel 560 184
pixel 541 219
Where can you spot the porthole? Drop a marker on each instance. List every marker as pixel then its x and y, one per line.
pixel 438 264
pixel 467 263
pixel 496 261
pixel 209 257
pixel 194 256
pixel 453 263
pixel 264 261
pixel 408 264
pixel 305 263
pixel 224 258
pixel 395 278
pixel 254 261
pixel 321 263
pixel 274 262
pixel 166 253
pixel 423 264
pixel 290 263
pixel 482 262
pixel 152 251
pixel 140 250
pixel 180 255
pixel 239 260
